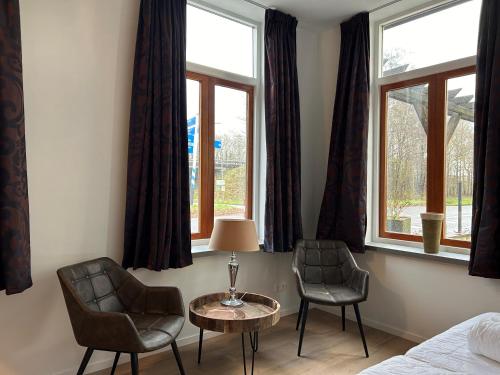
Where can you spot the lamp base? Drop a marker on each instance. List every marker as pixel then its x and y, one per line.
pixel 232 302
pixel 232 266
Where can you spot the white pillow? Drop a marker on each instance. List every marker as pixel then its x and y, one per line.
pixel 484 338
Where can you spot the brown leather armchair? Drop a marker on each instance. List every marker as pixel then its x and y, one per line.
pixel 327 274
pixel 111 310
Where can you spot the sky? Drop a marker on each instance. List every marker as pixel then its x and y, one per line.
pixel 443 36
pixel 230 108
pixel 218 42
pixel 227 45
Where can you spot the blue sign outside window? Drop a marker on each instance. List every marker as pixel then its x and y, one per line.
pixel 191 123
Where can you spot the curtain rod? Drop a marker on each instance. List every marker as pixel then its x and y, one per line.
pixel 370 11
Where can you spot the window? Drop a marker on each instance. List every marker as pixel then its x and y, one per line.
pixel 459 148
pixel 220 138
pixel 219 42
pixel 441 34
pixel 427 123
pixel 221 81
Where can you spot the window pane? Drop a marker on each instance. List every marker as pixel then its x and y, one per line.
pixel 193 124
pixel 433 38
pixel 407 111
pixel 230 152
pixel 218 42
pixel 459 156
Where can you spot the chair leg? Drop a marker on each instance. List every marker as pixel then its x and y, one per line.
pixel 85 361
pixel 360 326
pixel 300 314
pixel 134 363
pixel 343 318
pixel 303 327
pixel 115 363
pixel 177 357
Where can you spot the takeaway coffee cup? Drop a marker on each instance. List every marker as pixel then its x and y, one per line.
pixel 432 224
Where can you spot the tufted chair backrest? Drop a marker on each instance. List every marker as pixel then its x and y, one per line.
pixel 96 283
pixel 323 261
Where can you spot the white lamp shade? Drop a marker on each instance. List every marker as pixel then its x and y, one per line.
pixel 234 235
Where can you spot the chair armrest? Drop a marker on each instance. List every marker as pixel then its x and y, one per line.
pixel 112 331
pixel 359 281
pixel 298 278
pixel 164 300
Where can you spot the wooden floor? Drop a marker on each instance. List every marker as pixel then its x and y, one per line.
pixel 326 350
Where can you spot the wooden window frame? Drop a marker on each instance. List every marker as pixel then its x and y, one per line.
pixel 436 150
pixel 207 154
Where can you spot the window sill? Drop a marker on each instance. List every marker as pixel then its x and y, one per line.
pixel 415 252
pixel 202 250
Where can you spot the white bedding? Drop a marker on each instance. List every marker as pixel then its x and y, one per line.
pixel 484 338
pixel 403 365
pixel 446 353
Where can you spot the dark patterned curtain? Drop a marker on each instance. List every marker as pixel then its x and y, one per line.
pixel 283 221
pixel 15 265
pixel 157 221
pixel 343 211
pixel 485 246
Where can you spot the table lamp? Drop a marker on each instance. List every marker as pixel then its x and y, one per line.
pixel 234 235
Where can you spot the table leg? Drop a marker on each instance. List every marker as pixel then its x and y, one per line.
pixel 254 340
pixel 243 350
pixel 200 344
pixel 254 348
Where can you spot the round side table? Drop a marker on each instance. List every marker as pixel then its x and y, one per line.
pixel 257 313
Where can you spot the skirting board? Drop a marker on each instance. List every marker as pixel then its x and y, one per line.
pixel 375 324
pixel 94 366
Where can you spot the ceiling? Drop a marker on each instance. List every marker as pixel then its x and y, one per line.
pixel 323 11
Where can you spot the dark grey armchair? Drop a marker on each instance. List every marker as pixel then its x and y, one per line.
pixel 327 274
pixel 111 310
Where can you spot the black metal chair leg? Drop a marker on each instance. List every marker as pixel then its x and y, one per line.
pixel 200 344
pixel 360 326
pixel 343 318
pixel 115 363
pixel 85 361
pixel 243 350
pixel 303 327
pixel 177 357
pixel 300 314
pixel 134 363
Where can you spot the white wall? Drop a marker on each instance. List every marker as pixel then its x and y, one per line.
pixel 413 298
pixel 329 42
pixel 312 117
pixel 78 58
pixel 417 298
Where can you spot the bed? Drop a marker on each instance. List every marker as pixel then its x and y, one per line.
pixel 446 353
